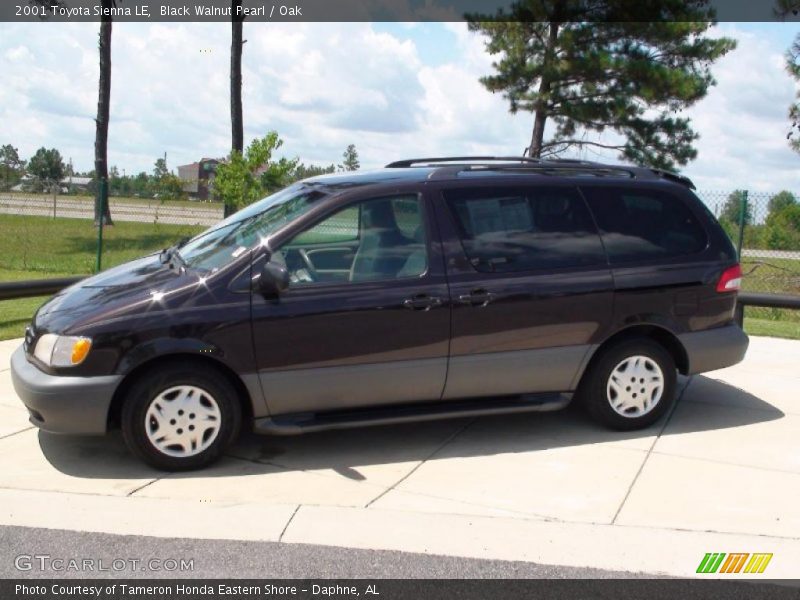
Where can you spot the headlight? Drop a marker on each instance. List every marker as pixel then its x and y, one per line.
pixel 62 351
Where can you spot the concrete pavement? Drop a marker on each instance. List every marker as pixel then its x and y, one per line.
pixel 720 474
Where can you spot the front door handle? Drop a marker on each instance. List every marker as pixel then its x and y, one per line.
pixel 422 302
pixel 478 297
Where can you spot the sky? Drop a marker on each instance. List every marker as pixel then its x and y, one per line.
pixel 394 90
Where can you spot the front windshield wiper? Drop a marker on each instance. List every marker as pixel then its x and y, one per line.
pixel 172 256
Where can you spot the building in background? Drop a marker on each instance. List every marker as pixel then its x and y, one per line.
pixel 197 178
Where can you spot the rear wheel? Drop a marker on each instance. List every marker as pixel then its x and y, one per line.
pixel 176 418
pixel 631 385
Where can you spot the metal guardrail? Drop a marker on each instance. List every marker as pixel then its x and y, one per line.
pixel 11 290
pixel 764 301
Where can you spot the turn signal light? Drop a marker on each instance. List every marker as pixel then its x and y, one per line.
pixel 79 350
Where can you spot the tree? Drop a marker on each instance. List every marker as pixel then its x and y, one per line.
pixel 103 110
pixel 12 168
pixel 780 201
pixel 624 66
pixel 732 209
pixel 247 177
pixel 165 184
pixel 237 121
pixel 793 68
pixel 302 171
pixel 350 156
pixel 47 167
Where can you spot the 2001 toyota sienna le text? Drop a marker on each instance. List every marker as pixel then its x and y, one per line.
pixel 431 288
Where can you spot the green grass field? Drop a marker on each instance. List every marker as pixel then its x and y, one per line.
pixel 42 247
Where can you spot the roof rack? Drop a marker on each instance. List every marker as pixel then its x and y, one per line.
pixel 551 165
pixel 400 164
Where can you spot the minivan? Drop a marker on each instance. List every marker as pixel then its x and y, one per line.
pixel 432 288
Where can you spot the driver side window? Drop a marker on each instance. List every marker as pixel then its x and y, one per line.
pixel 374 240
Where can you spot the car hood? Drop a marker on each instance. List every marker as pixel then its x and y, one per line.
pixel 104 295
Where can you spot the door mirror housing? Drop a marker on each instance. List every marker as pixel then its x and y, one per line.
pixel 273 279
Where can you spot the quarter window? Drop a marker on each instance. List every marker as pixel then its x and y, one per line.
pixel 521 229
pixel 637 224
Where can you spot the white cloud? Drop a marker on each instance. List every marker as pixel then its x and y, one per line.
pixel 323 86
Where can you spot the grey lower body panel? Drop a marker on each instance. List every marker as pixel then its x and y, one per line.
pixel 60 404
pixel 295 424
pixel 713 349
pixel 521 372
pixel 353 386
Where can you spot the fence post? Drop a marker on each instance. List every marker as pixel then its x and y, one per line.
pixel 742 223
pixel 101 199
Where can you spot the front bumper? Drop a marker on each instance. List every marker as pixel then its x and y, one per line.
pixel 716 348
pixel 61 404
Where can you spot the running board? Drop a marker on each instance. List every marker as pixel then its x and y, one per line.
pixel 298 423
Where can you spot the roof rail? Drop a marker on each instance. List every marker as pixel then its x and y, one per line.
pixel 682 179
pixel 400 164
pixel 539 164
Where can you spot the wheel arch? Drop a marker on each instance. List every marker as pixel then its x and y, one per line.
pixel 661 335
pixel 202 362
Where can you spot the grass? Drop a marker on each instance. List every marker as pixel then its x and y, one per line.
pixel 780 329
pixel 42 248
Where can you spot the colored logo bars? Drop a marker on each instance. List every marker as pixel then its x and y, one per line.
pixel 737 562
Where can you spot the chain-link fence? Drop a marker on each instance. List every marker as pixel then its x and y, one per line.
pixel 765 228
pixel 53 234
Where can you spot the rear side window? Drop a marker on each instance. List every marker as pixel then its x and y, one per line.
pixel 522 229
pixel 638 224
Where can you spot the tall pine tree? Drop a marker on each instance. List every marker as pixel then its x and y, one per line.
pixel 628 66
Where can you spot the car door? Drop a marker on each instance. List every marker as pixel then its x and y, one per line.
pixel 372 331
pixel 531 288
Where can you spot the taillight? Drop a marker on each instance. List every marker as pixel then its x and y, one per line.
pixel 730 280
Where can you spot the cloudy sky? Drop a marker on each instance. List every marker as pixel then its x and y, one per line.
pixel 395 90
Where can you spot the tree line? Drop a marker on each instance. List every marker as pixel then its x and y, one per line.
pixel 46 171
pixel 780 230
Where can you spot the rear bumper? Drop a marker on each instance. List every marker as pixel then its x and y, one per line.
pixel 58 404
pixel 714 348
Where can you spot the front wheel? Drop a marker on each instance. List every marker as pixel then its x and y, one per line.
pixel 631 385
pixel 177 418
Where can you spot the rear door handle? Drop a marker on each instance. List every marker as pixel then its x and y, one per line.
pixel 422 302
pixel 479 297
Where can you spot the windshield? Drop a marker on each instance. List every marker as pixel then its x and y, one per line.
pixel 229 239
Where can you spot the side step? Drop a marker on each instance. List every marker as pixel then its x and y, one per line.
pixel 307 422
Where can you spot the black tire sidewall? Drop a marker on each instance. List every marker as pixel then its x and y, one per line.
pixel 594 391
pixel 150 385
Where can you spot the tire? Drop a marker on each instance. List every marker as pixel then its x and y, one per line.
pixel 643 358
pixel 197 410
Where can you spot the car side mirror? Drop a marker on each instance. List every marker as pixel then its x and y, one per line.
pixel 273 279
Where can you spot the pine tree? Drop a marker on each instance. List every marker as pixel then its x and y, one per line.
pixel 620 65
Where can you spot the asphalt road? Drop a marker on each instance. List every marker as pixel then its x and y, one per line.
pixel 66 207
pixel 236 559
pixel 269 562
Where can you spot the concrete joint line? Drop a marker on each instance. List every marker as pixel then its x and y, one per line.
pixel 447 441
pixel 650 450
pixel 141 487
pixel 8 435
pixel 289 522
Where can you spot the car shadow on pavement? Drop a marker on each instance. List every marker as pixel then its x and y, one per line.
pixel 721 406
